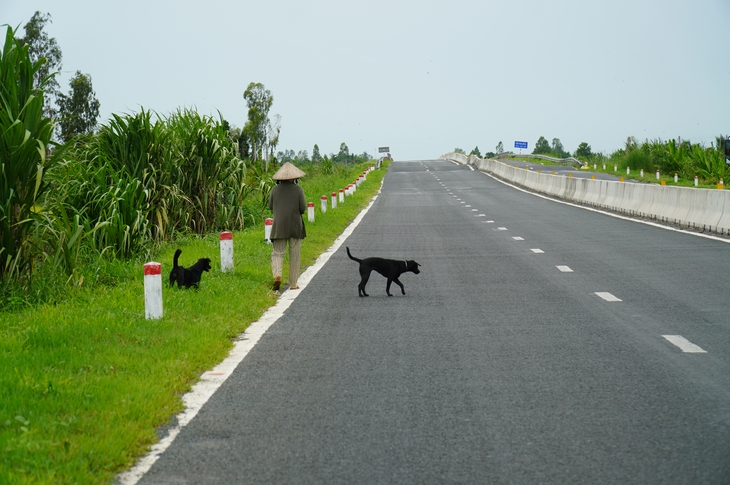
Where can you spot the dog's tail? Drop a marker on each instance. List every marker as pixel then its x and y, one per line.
pixel 351 256
pixel 174 260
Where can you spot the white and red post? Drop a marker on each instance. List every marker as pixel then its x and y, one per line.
pixel 226 251
pixel 342 196
pixel 310 211
pixel 268 224
pixel 324 204
pixel 334 200
pixel 152 290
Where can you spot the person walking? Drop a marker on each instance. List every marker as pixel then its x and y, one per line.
pixel 287 202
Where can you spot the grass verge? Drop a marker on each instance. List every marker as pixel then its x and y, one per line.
pixel 87 382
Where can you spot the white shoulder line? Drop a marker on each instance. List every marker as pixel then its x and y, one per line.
pixel 593 209
pixel 210 381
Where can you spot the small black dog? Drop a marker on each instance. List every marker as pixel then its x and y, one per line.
pixel 389 268
pixel 188 277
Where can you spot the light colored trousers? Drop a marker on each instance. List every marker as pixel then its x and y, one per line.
pixel 277 258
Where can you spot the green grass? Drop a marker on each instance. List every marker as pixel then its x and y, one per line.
pixel 649 176
pixel 86 383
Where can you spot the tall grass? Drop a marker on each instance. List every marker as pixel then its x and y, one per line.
pixel 684 158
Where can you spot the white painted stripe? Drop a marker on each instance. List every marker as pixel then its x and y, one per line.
pixel 518 238
pixel 210 381
pixel 489 222
pixel 501 228
pixel 611 214
pixel 473 210
pixel 564 269
pixel 480 215
pixel 607 296
pixel 537 251
pixel 685 345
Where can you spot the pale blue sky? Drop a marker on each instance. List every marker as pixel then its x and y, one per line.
pixel 422 77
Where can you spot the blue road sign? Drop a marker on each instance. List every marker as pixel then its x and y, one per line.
pixel 520 144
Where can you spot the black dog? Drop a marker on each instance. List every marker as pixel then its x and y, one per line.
pixel 188 277
pixel 389 268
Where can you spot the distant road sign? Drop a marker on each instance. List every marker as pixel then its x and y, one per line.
pixel 520 144
pixel 383 149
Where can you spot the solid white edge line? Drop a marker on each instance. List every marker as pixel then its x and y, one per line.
pixel 593 209
pixel 211 380
pixel 685 345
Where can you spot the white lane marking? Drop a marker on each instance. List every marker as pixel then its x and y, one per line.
pixel 537 251
pixel 488 222
pixel 564 269
pixel 607 296
pixel 617 216
pixel 501 228
pixel 518 238
pixel 474 210
pixel 685 345
pixel 480 215
pixel 467 206
pixel 211 380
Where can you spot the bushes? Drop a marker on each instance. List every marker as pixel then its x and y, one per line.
pixel 684 158
pixel 117 194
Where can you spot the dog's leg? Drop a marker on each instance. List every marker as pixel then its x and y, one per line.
pixel 402 290
pixel 387 287
pixel 365 276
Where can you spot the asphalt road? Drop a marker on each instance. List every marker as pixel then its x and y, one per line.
pixel 508 361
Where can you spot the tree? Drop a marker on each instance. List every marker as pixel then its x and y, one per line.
pixel 557 149
pixel 316 157
pixel 542 147
pixel 583 151
pixel 343 156
pixel 256 129
pixel 459 150
pixel 476 152
pixel 500 148
pixel 79 110
pixel 41 46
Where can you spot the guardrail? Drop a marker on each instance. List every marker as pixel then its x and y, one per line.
pixel 706 209
pixel 564 161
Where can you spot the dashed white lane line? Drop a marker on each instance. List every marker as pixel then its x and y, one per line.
pixel 537 251
pixel 685 345
pixel 501 228
pixel 565 269
pixel 607 296
pixel 518 238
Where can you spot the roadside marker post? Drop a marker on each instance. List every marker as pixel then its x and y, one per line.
pixel 226 251
pixel 268 224
pixel 153 290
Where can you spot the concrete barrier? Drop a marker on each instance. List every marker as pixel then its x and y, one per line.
pixel 707 209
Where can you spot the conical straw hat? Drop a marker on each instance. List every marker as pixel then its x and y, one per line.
pixel 288 172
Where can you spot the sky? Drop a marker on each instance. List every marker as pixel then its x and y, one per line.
pixel 420 77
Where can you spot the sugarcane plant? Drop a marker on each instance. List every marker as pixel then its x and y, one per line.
pixel 25 144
